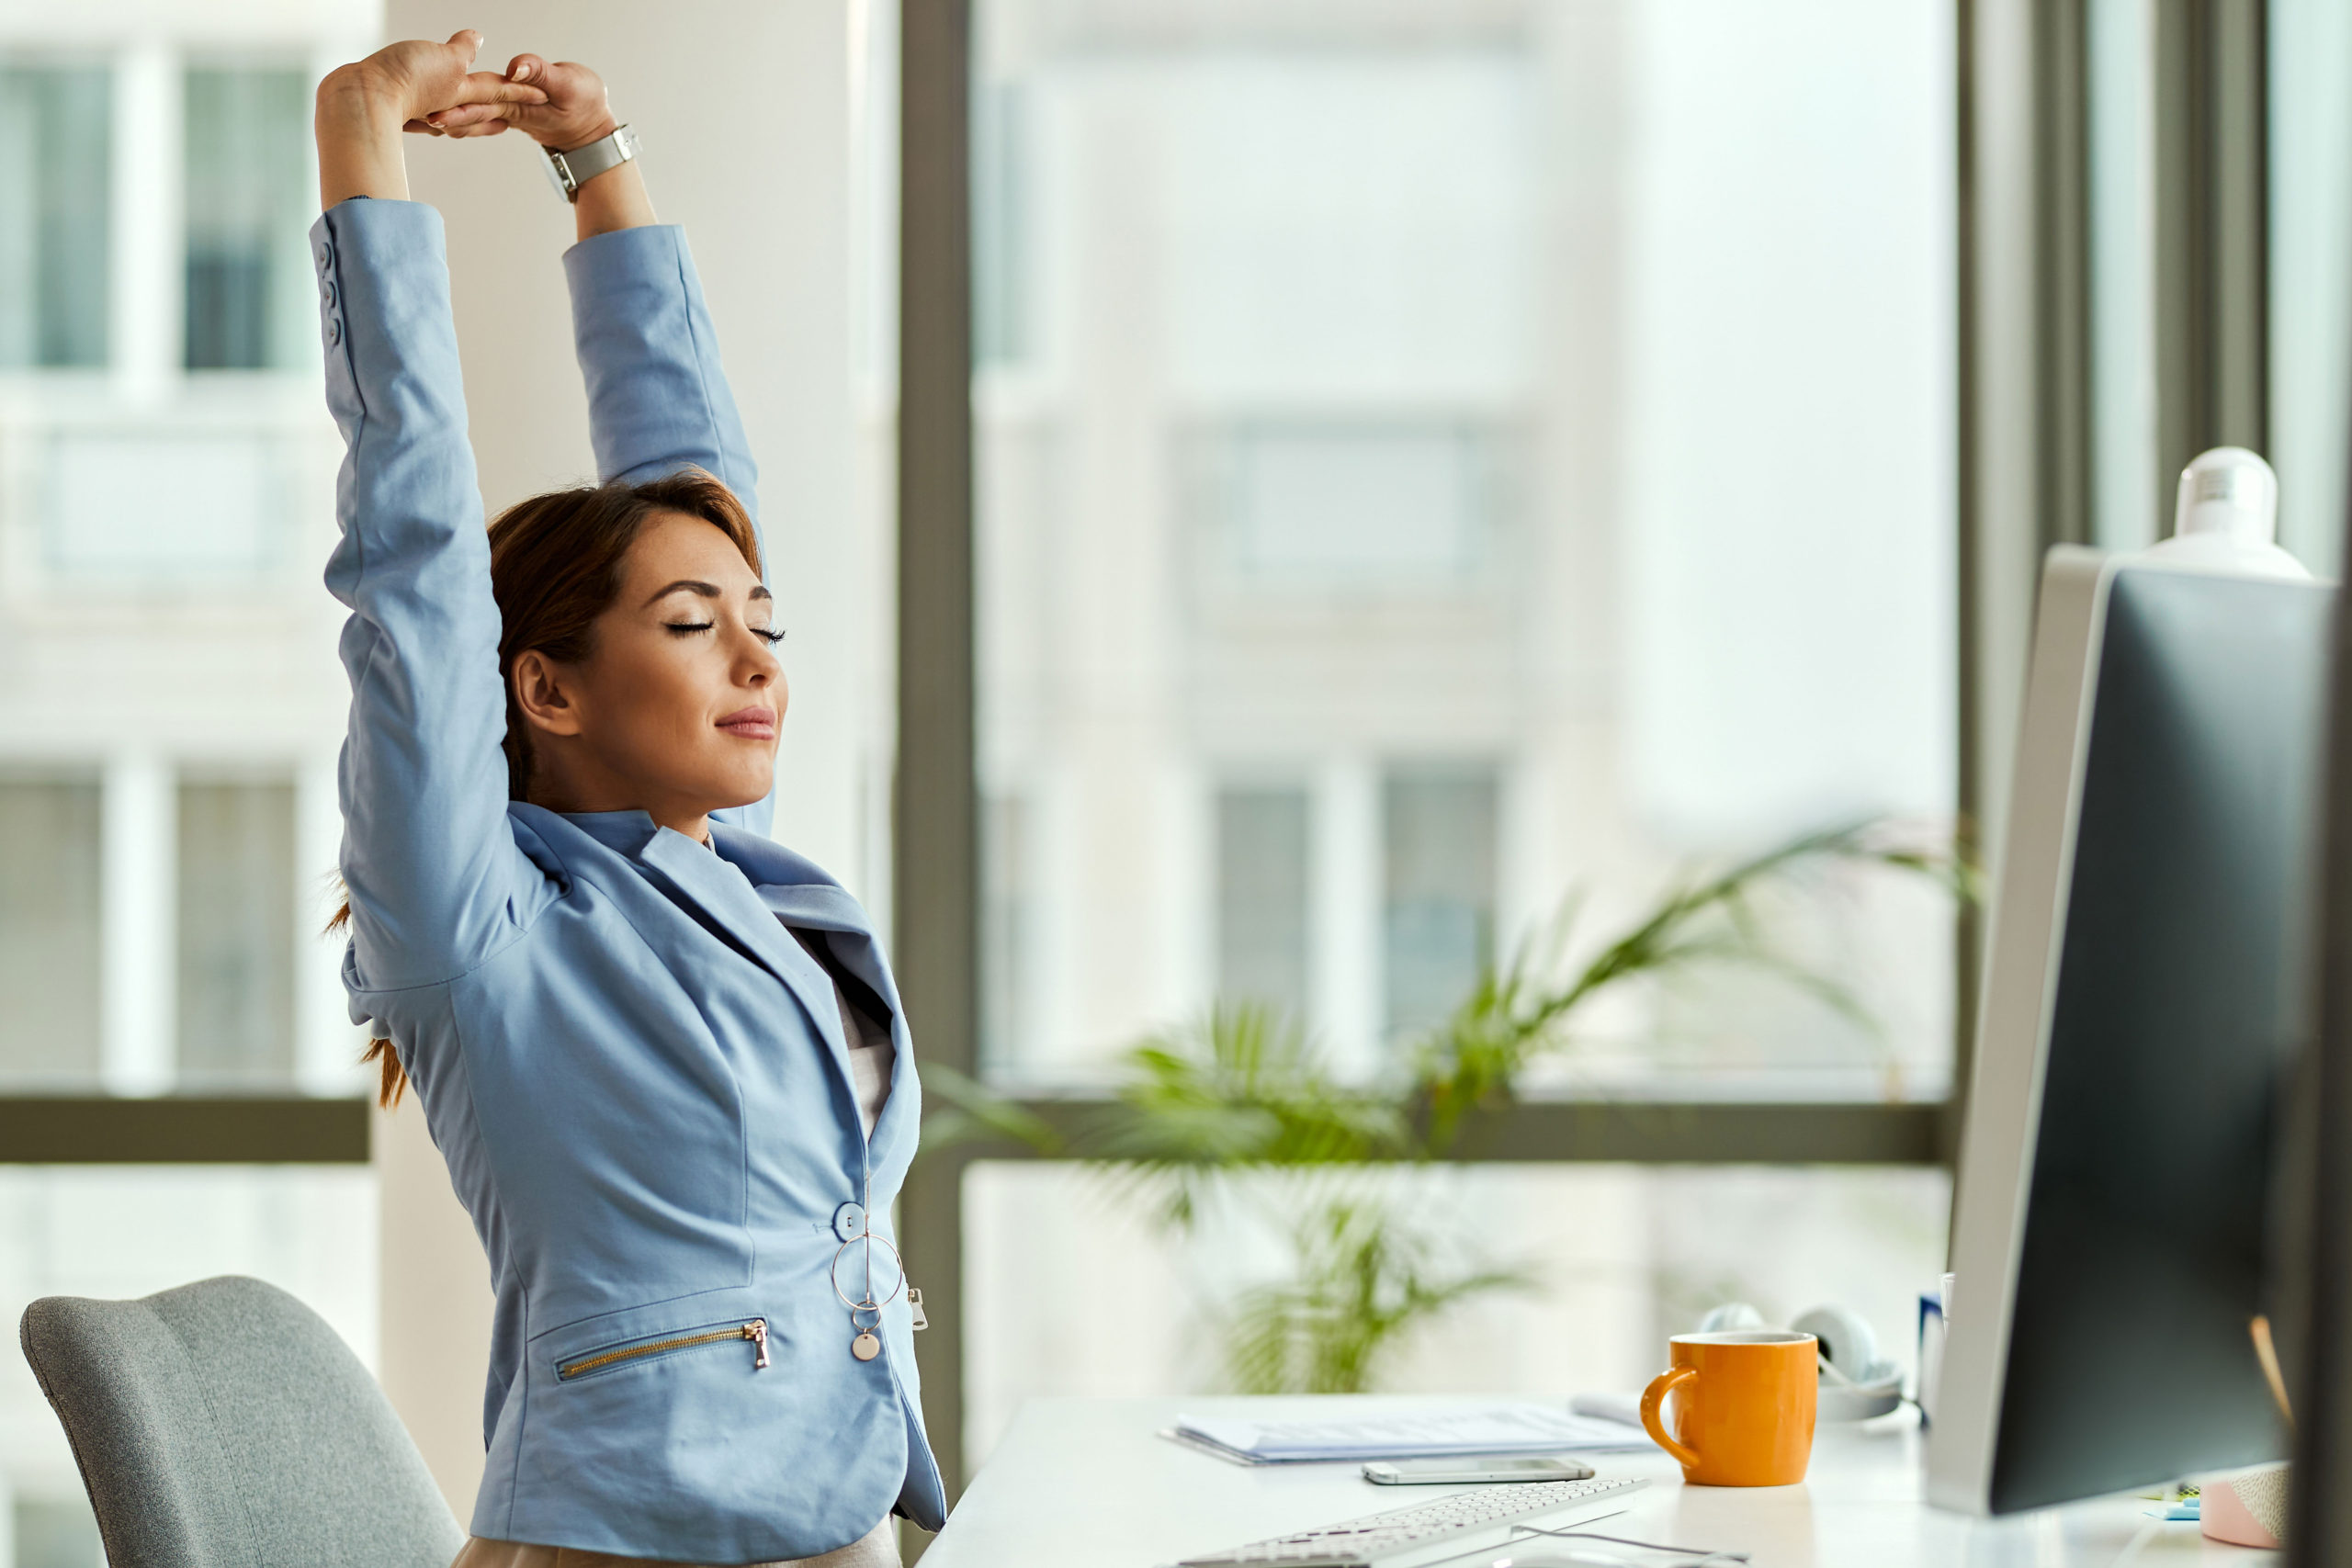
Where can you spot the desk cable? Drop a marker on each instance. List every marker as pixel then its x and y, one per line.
pixel 1699 1559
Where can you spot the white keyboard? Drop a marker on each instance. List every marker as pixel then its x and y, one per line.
pixel 1370 1540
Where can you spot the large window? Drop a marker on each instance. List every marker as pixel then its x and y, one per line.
pixel 163 453
pixel 170 704
pixel 1437 466
pixel 1524 434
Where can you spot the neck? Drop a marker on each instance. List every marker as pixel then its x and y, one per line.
pixel 695 825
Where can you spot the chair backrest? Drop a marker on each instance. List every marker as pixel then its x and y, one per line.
pixel 224 1425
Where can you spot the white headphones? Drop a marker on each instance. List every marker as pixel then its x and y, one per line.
pixel 1856 1381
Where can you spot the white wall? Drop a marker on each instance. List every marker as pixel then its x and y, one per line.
pixel 746 112
pixel 433 1301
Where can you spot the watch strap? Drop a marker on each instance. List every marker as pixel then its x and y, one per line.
pixel 570 170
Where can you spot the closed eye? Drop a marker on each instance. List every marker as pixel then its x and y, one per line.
pixel 687 628
pixel 768 635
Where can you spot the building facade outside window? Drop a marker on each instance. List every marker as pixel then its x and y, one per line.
pixel 1436 464
pixel 170 702
pixel 1456 383
pixel 168 496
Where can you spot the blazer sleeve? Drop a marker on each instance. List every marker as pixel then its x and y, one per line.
pixel 658 398
pixel 436 880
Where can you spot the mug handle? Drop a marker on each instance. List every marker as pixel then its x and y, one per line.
pixel 1653 1397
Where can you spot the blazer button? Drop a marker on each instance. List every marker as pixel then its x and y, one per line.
pixel 849 1220
pixel 326 255
pixel 334 331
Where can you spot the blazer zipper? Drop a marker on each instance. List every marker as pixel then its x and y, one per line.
pixel 756 1331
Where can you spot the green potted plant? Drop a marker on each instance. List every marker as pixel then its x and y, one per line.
pixel 1240 1111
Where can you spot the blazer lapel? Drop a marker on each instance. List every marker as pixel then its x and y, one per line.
pixel 834 912
pixel 718 892
pixel 797 894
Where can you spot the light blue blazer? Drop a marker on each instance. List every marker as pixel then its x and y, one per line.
pixel 636 1073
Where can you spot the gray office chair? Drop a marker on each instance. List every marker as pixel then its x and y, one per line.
pixel 224 1425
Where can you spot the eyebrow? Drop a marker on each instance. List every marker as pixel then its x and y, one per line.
pixel 701 590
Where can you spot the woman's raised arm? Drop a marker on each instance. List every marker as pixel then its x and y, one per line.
pixel 436 880
pixel 658 399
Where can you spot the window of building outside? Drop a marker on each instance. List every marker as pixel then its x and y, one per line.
pixel 1437 893
pixel 56 136
pixel 51 932
pixel 1436 462
pixel 249 303
pixel 1261 896
pixel 237 935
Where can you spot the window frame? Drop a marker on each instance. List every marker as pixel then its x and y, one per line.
pixel 2022 441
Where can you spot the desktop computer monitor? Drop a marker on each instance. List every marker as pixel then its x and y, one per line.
pixel 2139 1009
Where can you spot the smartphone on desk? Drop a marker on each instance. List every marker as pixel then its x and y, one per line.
pixel 1459 1471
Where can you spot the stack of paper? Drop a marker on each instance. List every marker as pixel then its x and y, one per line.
pixel 1421 1434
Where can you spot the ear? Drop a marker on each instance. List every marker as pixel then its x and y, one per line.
pixel 546 693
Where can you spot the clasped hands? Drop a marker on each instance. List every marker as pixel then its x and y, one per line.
pixel 433 89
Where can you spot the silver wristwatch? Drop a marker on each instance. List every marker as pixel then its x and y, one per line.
pixel 568 170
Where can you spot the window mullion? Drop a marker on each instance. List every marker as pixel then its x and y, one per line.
pixel 139 905
pixel 147 242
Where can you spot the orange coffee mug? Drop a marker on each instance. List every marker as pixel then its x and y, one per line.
pixel 1744 1402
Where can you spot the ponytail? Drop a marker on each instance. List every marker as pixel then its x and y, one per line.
pixel 392 1078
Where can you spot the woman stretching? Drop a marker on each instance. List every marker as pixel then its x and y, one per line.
pixel 663 1057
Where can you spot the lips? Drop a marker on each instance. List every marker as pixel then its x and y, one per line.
pixel 751 724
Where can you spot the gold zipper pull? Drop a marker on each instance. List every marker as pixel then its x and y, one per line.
pixel 756 1331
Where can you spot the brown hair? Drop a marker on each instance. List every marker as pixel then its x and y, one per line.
pixel 555 566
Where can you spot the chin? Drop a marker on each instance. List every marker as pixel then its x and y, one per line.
pixel 727 797
pixel 726 783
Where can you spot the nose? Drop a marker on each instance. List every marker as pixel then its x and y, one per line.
pixel 759 666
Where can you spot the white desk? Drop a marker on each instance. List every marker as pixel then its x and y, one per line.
pixel 1087 1484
